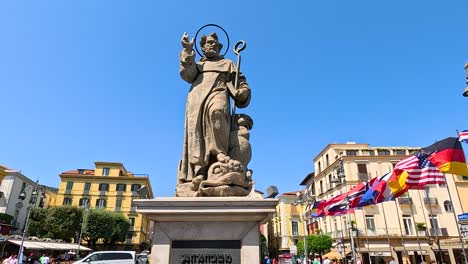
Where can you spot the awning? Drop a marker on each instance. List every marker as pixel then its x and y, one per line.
pixel 333 255
pixel 48 245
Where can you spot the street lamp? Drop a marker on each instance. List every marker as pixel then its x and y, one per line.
pixel 341 178
pixel 32 202
pixel 305 200
pixel 82 227
pixel 465 93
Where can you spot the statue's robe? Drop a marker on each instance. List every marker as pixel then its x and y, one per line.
pixel 207 113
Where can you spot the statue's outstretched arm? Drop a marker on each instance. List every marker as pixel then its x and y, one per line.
pixel 188 67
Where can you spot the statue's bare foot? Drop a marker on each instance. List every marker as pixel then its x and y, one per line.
pixel 223 158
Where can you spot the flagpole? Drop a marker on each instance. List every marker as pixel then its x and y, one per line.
pixel 342 239
pixel 417 235
pixel 401 233
pixel 386 228
pixel 456 220
pixel 422 207
pixel 436 231
pixel 367 238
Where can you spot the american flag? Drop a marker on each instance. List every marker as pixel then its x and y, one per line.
pixel 463 136
pixel 422 172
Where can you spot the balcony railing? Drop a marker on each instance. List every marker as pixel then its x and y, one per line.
pixel 85 192
pixel 405 201
pixel 431 201
pixel 120 193
pixel 102 192
pixel 439 231
pixel 68 191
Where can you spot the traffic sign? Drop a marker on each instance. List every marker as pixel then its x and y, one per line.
pixel 463 217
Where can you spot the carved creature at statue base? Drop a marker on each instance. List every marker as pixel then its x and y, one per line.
pixel 224 179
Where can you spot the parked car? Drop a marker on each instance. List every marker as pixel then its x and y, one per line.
pixel 142 258
pixel 109 257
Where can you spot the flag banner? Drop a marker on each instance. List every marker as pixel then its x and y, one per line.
pixel 378 192
pixel 448 156
pixel 355 194
pixel 463 136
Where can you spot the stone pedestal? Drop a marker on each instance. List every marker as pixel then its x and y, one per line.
pixel 217 229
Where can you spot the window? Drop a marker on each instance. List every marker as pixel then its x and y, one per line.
pixel 368 152
pixel 101 203
pixel 104 187
pixel 330 180
pixel 295 228
pixel 351 153
pixel 105 171
pixel 118 203
pixel 448 206
pixel 67 201
pixel 136 187
pixel 465 178
pixel 121 187
pixel 383 152
pixel 327 161
pixel 69 186
pixel 87 186
pixel 132 222
pixel 319 167
pixel 370 223
pixel 408 225
pixel 321 187
pixel 434 224
pixel 121 173
pixel 427 190
pixel 84 202
pixel 399 152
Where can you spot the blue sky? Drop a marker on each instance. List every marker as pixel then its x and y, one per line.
pixel 85 81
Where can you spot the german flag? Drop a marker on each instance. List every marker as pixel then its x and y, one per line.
pixel 448 156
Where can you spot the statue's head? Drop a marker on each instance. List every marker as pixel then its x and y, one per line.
pixel 210 46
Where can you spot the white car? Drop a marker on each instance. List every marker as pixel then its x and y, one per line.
pixel 109 257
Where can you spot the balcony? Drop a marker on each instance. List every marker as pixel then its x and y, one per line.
pixel 102 192
pixel 68 191
pixel 439 231
pixel 120 193
pixel 118 209
pixel 431 201
pixel 405 201
pixel 133 209
pixel 85 192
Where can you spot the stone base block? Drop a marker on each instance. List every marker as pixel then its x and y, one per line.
pixel 206 229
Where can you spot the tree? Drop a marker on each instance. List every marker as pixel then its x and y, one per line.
pixel 110 227
pixel 316 244
pixel 63 222
pixel 6 218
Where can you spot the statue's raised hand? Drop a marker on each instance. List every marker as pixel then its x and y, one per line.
pixel 186 43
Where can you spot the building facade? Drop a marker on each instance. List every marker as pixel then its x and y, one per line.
pixel 287 227
pixel 411 229
pixel 13 184
pixel 111 187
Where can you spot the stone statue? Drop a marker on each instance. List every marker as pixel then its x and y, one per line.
pixel 216 147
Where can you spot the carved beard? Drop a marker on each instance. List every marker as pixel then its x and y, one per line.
pixel 210 53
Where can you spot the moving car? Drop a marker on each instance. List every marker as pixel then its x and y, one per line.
pixel 109 257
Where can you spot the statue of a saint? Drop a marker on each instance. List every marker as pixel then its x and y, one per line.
pixel 206 168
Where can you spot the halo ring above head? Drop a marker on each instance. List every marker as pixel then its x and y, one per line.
pixel 211 25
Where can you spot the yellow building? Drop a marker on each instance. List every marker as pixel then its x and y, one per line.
pixel 108 186
pixel 462 190
pixel 286 228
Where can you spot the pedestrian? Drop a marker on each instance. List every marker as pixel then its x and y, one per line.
pixel 273 261
pixel 13 260
pixel 7 260
pixel 392 260
pixel 326 261
pixel 358 260
pixel 316 260
pixel 45 259
pixel 267 260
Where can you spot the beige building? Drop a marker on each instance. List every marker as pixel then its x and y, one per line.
pixel 390 229
pixel 287 226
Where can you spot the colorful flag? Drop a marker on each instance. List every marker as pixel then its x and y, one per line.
pixel 448 156
pixel 378 192
pixel 426 173
pixel 336 205
pixel 357 192
pixel 463 136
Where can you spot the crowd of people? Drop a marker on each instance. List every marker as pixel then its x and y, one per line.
pixel 33 258
pixel 326 260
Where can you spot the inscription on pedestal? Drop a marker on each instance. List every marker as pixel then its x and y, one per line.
pixel 205 252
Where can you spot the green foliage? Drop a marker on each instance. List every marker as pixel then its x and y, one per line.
pixel 62 222
pixel 110 227
pixel 6 218
pixel 316 244
pixel 421 226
